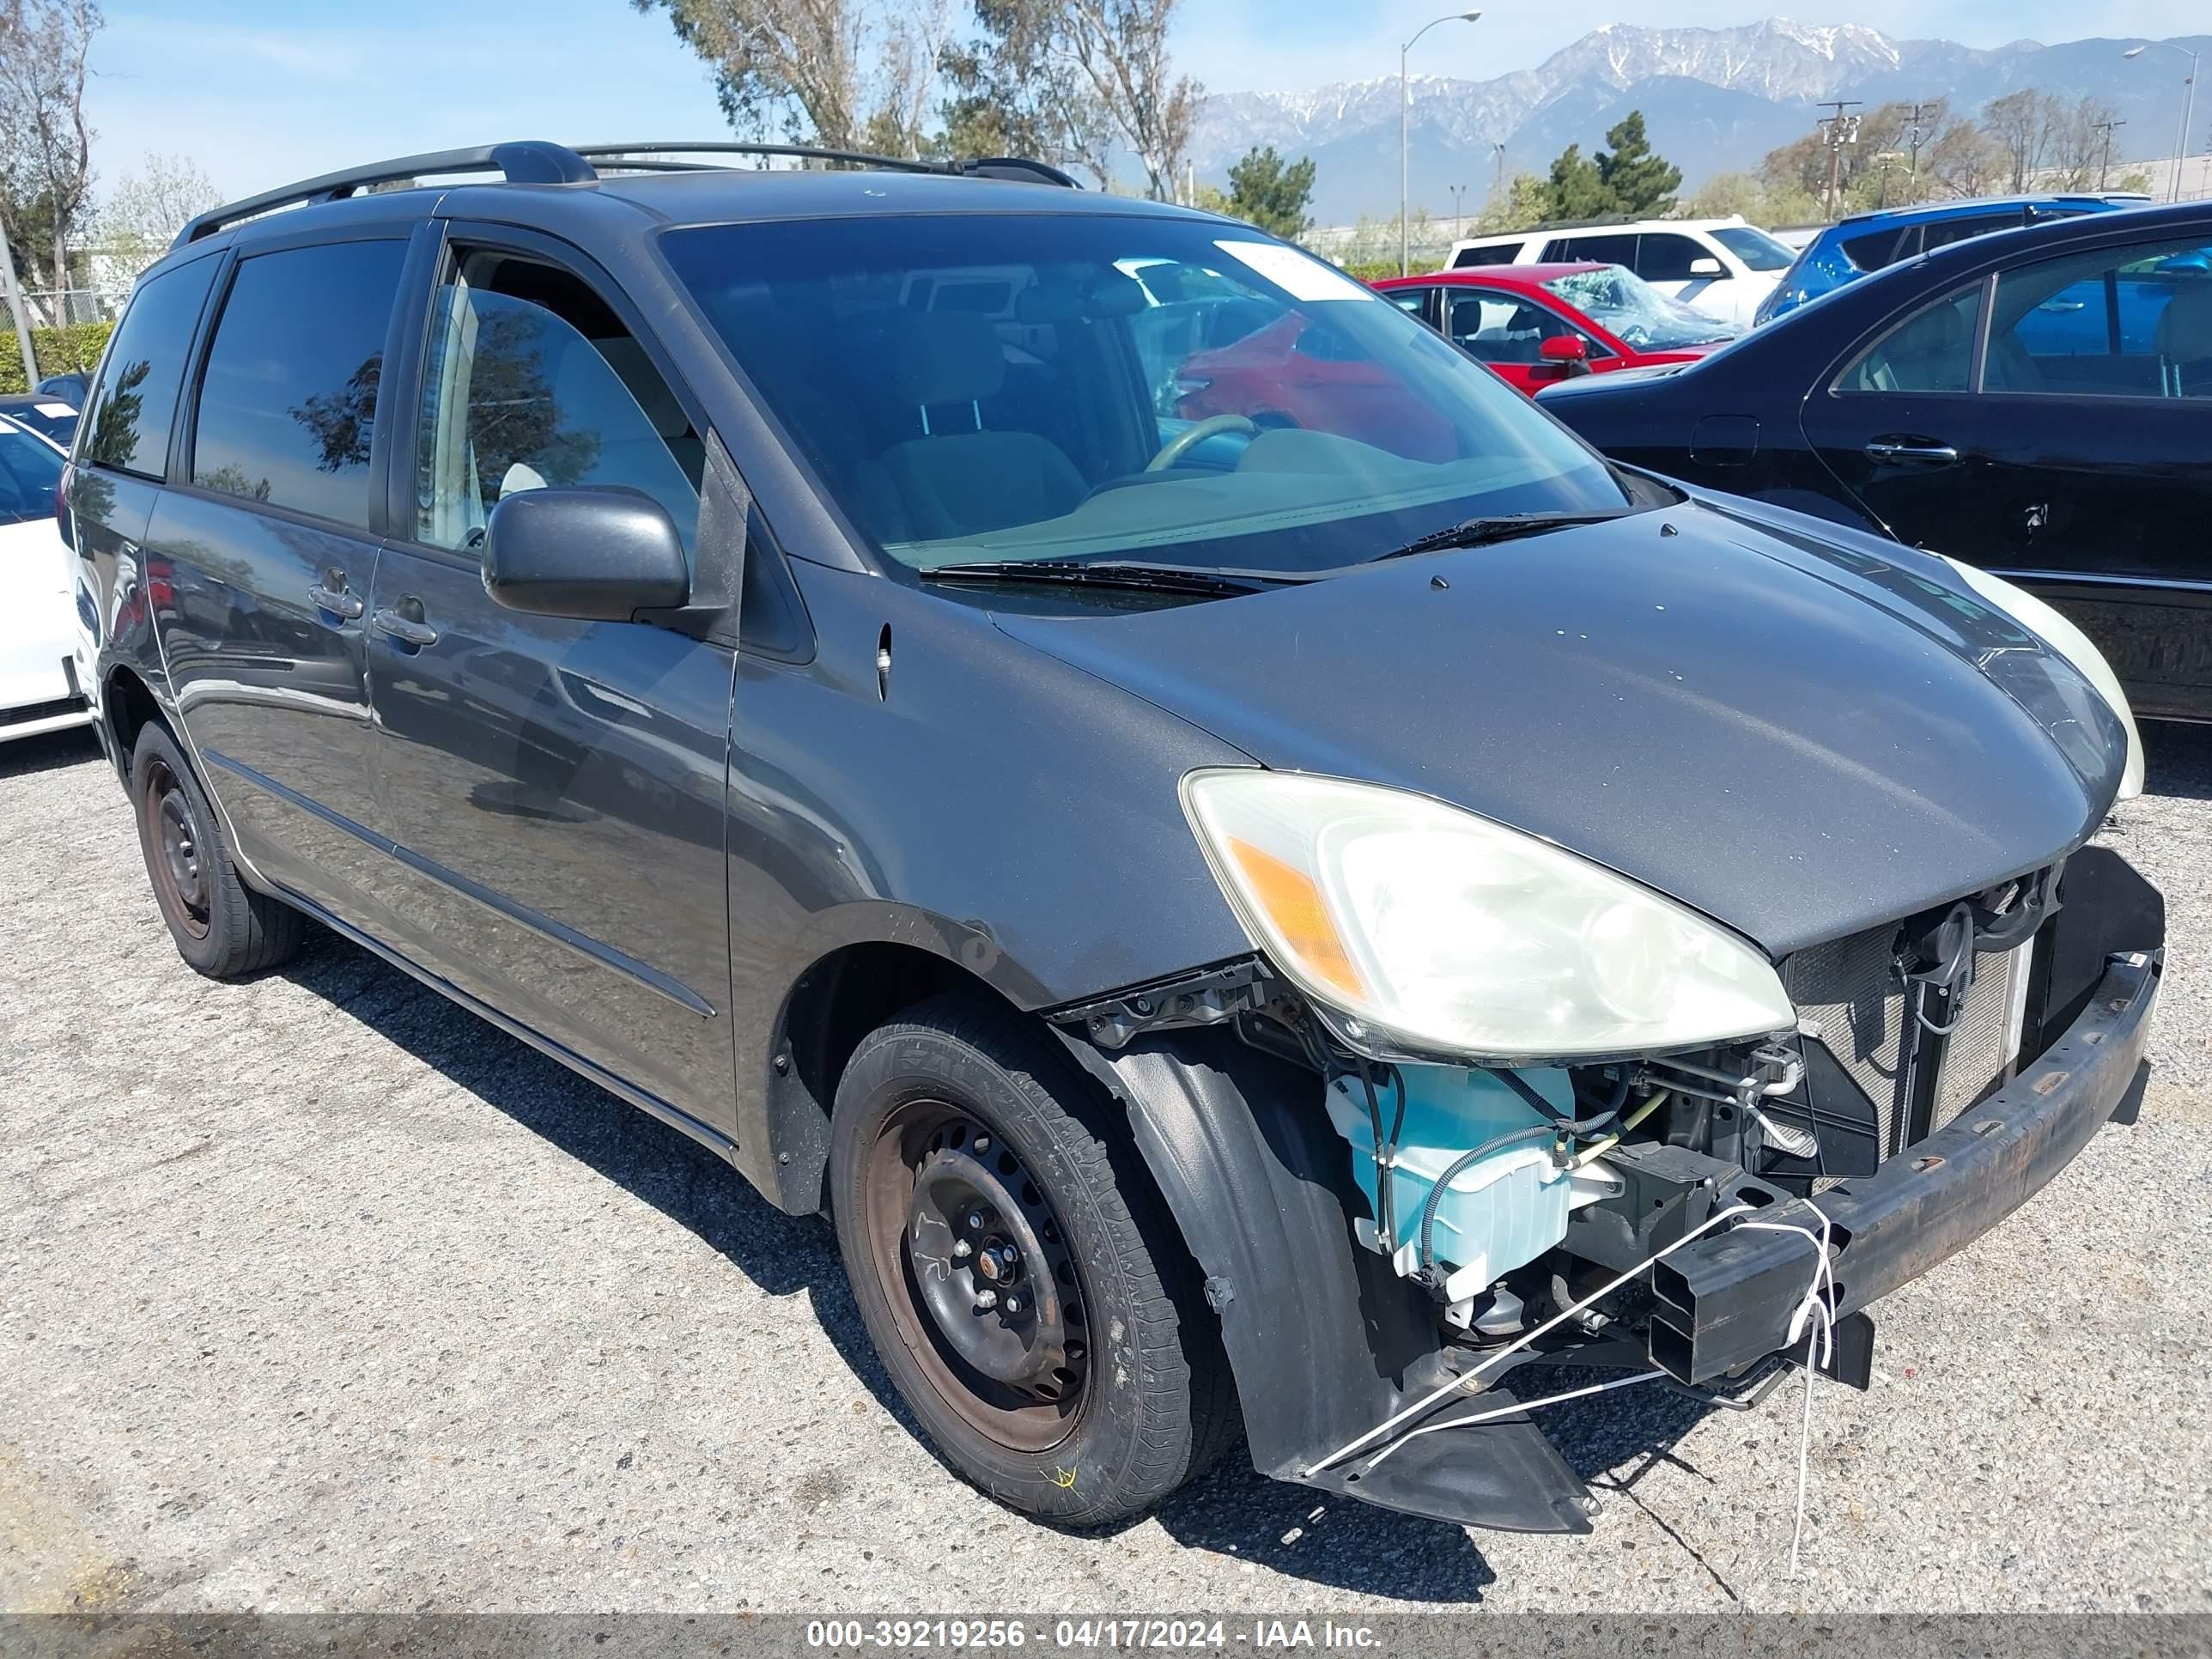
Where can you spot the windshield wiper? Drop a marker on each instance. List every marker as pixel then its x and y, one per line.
pixel 1482 531
pixel 1074 573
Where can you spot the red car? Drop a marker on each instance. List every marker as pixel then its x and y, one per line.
pixel 1537 324
pixel 1290 372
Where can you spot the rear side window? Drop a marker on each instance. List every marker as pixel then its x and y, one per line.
pixel 1613 250
pixel 1946 232
pixel 1497 254
pixel 28 474
pixel 135 405
pixel 288 401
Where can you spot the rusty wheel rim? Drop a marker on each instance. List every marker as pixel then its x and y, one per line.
pixel 975 1265
pixel 176 851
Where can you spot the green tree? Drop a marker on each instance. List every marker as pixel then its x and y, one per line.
pixel 1641 184
pixel 1576 191
pixel 1265 192
pixel 1526 203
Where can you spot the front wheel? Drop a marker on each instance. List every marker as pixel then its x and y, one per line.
pixel 1015 1273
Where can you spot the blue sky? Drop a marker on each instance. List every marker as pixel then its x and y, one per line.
pixel 260 92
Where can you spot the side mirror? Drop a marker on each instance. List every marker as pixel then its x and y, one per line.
pixel 1568 354
pixel 593 555
pixel 1707 266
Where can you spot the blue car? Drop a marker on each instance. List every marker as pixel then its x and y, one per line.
pixel 1874 241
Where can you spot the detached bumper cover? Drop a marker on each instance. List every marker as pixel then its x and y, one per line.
pixel 1728 1299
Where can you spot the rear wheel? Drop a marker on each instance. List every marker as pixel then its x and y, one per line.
pixel 1014 1270
pixel 223 927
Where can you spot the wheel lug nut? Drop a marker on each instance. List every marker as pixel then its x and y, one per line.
pixel 988 1299
pixel 1013 1304
pixel 963 1248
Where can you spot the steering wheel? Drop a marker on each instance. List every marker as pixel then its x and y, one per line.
pixel 1191 437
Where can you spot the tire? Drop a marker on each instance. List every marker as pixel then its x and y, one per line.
pixel 223 927
pixel 951 1095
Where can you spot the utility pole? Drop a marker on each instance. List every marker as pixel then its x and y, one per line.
pixel 1497 171
pixel 2105 167
pixel 14 293
pixel 1459 203
pixel 1915 136
pixel 1837 129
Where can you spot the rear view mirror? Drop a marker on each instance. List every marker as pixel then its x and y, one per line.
pixel 594 554
pixel 1707 266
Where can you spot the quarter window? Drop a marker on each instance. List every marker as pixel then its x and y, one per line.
pixel 135 405
pixel 531 380
pixel 288 402
pixel 1931 350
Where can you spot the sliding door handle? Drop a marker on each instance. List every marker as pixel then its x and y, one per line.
pixel 338 602
pixel 1914 452
pixel 406 629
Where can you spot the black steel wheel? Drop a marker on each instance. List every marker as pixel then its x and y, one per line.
pixel 1013 1269
pixel 223 927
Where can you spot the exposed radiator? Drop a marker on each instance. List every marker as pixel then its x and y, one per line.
pixel 1850 989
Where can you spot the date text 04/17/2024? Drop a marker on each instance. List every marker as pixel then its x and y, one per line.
pixel 1266 1634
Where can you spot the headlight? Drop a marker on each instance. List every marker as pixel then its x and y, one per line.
pixel 2069 643
pixel 1459 936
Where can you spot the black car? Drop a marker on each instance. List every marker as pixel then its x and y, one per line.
pixel 2036 403
pixel 772 640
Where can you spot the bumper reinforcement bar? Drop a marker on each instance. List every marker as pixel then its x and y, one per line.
pixel 1725 1300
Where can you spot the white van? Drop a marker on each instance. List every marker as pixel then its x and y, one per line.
pixel 1723 267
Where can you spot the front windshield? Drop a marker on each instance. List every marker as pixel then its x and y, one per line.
pixel 995 387
pixel 1626 306
pixel 1759 251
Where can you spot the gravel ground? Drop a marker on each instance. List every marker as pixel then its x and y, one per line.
pixel 317 1293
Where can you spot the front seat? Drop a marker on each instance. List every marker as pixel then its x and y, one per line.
pixel 957 477
pixel 2184 340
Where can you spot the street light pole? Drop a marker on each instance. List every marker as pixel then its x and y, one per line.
pixel 2188 109
pixel 1405 129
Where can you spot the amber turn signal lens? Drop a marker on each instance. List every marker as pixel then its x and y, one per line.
pixel 1295 905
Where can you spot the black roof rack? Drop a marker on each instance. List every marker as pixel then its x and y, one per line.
pixel 534 161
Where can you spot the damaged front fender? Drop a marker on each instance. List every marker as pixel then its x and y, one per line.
pixel 1324 1338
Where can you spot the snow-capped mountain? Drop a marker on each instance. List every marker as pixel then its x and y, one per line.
pixel 1714 101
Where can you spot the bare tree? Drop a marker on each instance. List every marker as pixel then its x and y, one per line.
pixel 141 215
pixel 1018 91
pixel 46 147
pixel 1123 46
pixel 2024 123
pixel 1965 160
pixel 1070 79
pixel 840 73
pixel 2077 146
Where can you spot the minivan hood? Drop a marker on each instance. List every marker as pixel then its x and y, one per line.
pixel 1799 730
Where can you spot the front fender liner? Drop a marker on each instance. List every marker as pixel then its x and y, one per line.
pixel 1324 1338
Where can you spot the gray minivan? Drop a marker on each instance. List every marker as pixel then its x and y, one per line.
pixel 1249 921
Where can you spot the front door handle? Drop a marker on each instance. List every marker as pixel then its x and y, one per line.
pixel 337 601
pixel 406 629
pixel 1911 452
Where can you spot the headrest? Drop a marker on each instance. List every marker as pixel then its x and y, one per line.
pixel 949 357
pixel 1939 328
pixel 2185 327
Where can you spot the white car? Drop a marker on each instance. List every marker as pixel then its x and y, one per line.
pixel 1722 267
pixel 39 688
